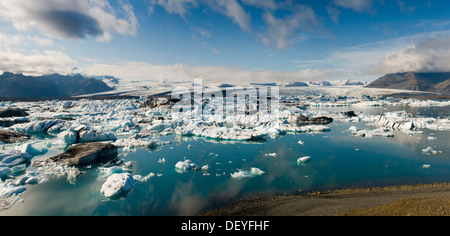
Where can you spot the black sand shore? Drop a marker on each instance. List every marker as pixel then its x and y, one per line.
pixel 411 200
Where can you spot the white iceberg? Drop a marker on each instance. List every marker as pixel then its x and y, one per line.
pixel 32 150
pixel 117 184
pixel 426 166
pixel 183 166
pixel 9 190
pixel 430 151
pixel 303 160
pixel 253 172
pixel 84 134
pixel 39 126
pixel 143 179
pixel 370 133
pixel 13 158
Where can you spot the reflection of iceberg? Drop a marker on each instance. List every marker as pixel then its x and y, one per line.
pixel 253 172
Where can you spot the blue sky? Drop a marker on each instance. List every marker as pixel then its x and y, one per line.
pixel 225 40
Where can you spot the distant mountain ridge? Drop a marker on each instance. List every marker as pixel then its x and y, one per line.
pixel 48 86
pixel 426 82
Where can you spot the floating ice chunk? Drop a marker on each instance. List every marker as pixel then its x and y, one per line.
pixel 132 143
pixel 162 161
pixel 4 172
pixel 270 155
pixel 429 151
pixel 205 168
pixel 9 190
pixel 426 166
pixel 368 104
pixel 301 142
pixel 13 158
pixel 431 138
pixel 143 179
pixel 90 135
pixel 18 169
pixel 303 160
pixel 308 128
pixel 69 137
pixel 222 133
pixel 33 151
pixel 253 172
pixel 183 166
pixel 370 133
pixel 117 184
pixel 37 126
pixel 353 129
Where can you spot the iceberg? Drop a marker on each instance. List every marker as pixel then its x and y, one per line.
pixel 117 184
pixel 370 133
pixel 303 160
pixel 39 126
pixel 184 166
pixel 143 179
pixel 84 134
pixel 430 151
pixel 253 172
pixel 33 151
pixel 13 158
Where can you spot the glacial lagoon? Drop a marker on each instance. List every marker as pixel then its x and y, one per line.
pixel 338 160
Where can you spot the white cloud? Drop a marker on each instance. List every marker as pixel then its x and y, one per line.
pixel 145 73
pixel 265 4
pixel 40 41
pixel 360 6
pixel 32 62
pixel 230 8
pixel 334 14
pixel 75 19
pixel 233 10
pixel 280 32
pixel 427 55
pixel 179 7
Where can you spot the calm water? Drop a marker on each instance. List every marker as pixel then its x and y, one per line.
pixel 338 161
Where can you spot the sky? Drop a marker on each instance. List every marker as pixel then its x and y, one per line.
pixel 225 41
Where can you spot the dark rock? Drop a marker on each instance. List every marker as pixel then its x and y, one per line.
pixel 349 114
pixel 8 122
pixel 303 120
pixel 87 153
pixel 13 112
pixel 8 136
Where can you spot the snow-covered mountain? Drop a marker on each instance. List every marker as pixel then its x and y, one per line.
pixel 48 86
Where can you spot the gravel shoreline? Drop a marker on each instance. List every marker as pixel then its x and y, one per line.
pixel 408 200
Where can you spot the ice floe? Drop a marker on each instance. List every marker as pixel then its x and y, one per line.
pixel 117 184
pixel 430 151
pixel 184 166
pixel 253 172
pixel 303 160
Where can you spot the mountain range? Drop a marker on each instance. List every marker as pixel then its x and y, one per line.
pixel 48 86
pixel 426 82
